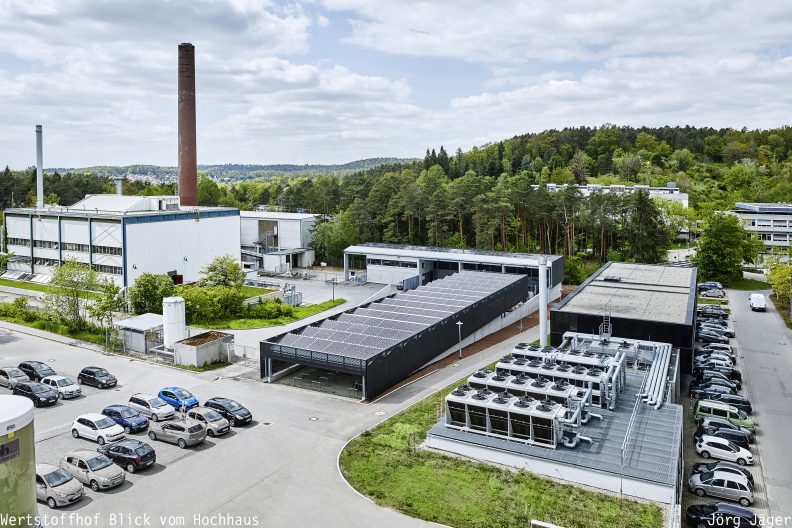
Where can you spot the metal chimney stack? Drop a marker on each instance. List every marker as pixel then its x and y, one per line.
pixel 39 168
pixel 542 300
pixel 188 164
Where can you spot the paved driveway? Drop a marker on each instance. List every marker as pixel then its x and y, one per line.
pixel 767 350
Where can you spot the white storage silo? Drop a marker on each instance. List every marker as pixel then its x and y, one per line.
pixel 174 323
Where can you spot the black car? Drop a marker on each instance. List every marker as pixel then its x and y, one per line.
pixel 708 392
pixel 709 337
pixel 721 514
pixel 706 375
pixel 96 376
pixel 40 394
pixel 714 313
pixel 739 438
pixel 130 454
pixel 735 400
pixel 732 467
pixel 730 372
pixel 36 370
pixel 232 411
pixel 702 319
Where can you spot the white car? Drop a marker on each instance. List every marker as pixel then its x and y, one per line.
pixel 152 407
pixel 719 346
pixel 99 427
pixel 65 387
pixel 714 292
pixel 709 361
pixel 722 449
pixel 757 302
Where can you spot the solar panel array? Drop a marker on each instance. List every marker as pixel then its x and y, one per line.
pixel 366 331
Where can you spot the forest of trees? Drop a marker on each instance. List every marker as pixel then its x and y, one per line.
pixel 483 198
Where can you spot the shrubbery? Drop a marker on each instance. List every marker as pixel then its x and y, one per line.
pixel 270 309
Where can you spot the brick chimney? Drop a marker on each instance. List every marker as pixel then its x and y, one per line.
pixel 188 164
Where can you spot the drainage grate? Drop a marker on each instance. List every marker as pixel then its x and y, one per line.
pixel 266 423
pixel 379 413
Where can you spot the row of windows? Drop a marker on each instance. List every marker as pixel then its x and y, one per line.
pixel 40 261
pixel 67 246
pixel 393 263
pixel 773 237
pixel 768 223
pixel 71 246
pixel 113 270
pixel 18 241
pixel 47 244
pixel 107 250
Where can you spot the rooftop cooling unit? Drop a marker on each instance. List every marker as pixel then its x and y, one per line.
pixel 507 359
pixel 574 352
pixel 481 394
pixel 520 380
pixel 524 402
pixel 482 373
pixel 563 367
pixel 520 361
pixel 579 370
pixel 462 390
pixel 502 398
pixel 546 405
pixel 595 372
pixel 498 377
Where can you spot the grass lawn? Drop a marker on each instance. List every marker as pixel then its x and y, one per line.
pixel 748 284
pixel 254 291
pixel 43 288
pixel 91 337
pixel 710 300
pixel 299 313
pixel 384 465
pixel 209 366
pixel 782 305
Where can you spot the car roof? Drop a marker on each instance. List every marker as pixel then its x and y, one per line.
pixel 130 441
pixel 729 476
pixel 118 406
pixel 92 416
pixel 725 506
pixel 172 389
pixel 715 403
pixel 143 395
pixel 32 384
pixel 202 410
pixel 45 468
pixel 715 439
pixel 55 377
pixel 87 453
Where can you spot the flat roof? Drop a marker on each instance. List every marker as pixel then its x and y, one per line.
pixel 652 449
pixel 647 292
pixel 366 331
pixel 275 215
pixel 71 211
pixel 763 207
pixel 141 322
pixel 441 253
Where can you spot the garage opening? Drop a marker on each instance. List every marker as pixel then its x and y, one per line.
pixel 326 381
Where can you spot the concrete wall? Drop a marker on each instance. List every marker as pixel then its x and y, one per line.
pixel 575 474
pixel 389 274
pixel 200 355
pixel 159 247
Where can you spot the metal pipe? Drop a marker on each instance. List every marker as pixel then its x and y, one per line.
pixel 542 300
pixel 39 169
pixel 662 385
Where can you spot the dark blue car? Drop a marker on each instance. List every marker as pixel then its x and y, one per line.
pixel 180 399
pixel 127 417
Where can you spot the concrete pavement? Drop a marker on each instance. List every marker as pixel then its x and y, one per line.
pixel 766 346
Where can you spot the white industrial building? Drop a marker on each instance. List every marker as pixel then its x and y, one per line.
pixel 770 222
pixel 276 242
pixel 670 192
pixel 120 237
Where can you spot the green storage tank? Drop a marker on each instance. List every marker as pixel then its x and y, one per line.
pixel 17 462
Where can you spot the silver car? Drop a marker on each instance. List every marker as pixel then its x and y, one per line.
pixel 56 487
pixel 10 376
pixel 181 432
pixel 65 387
pixel 152 407
pixel 722 484
pixel 93 469
pixel 215 424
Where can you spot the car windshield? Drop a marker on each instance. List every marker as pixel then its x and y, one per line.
pixel 212 416
pixel 128 413
pixel 232 405
pixel 143 450
pixel 104 423
pixel 733 446
pixel 15 373
pixel 707 476
pixel 101 372
pixel 57 478
pixel 707 509
pixel 742 415
pixel 98 463
pixel 156 402
pixel 195 429
pixel 65 382
pixel 38 389
pixel 182 394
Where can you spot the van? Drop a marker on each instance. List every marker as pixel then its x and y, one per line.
pixel 705 408
pixel 757 302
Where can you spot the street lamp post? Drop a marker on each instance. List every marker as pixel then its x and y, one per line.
pixel 333 283
pixel 459 328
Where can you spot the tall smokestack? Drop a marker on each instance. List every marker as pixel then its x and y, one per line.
pixel 542 300
pixel 39 168
pixel 188 164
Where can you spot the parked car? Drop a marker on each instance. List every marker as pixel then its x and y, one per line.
pixel 708 392
pixel 132 455
pixel 735 400
pixel 127 417
pixel 97 377
pixel 709 361
pixel 151 406
pixel 723 485
pixel 56 487
pixel 36 370
pixel 705 408
pixel 715 352
pixel 215 424
pixel 231 410
pixel 722 465
pixel 719 346
pixel 722 423
pixel 739 438
pixel 722 449
pixel 717 329
pixel 94 426
pixel 710 285
pixel 93 469
pixel 710 337
pixel 714 382
pixel 180 399
pixel 10 376
pixel 183 433
pixel 712 311
pixel 65 387
pixel 713 292
pixel 730 372
pixel 757 302
pixel 721 514
pixel 40 394
pixel 708 374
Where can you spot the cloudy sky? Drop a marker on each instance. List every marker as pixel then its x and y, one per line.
pixel 331 81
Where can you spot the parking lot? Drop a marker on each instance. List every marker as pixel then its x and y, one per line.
pixel 749 326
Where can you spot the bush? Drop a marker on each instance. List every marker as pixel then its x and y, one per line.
pixel 229 302
pixel 147 293
pixel 199 304
pixel 269 309
pixel 573 271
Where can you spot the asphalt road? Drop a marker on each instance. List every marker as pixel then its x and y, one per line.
pixel 766 347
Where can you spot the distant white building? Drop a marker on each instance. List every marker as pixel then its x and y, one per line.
pixel 276 242
pixel 771 222
pixel 120 237
pixel 669 192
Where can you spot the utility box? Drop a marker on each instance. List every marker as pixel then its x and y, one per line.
pixel 17 461
pixel 203 349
